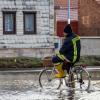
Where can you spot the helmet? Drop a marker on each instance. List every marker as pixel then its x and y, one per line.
pixel 68 29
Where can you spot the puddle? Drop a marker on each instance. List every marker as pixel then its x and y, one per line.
pixel 24 86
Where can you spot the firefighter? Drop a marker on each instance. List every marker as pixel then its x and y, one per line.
pixel 69 52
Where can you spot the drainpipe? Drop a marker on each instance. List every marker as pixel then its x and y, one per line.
pixel 68 11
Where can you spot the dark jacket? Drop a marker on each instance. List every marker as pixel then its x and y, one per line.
pixel 68 48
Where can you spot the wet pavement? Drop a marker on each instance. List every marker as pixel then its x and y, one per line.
pixel 25 86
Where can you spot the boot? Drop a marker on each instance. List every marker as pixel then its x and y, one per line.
pixel 59 71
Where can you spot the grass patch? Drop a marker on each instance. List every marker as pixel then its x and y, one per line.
pixel 20 62
pixel 30 62
pixel 90 60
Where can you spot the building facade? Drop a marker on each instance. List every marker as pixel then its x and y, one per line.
pixel 85 20
pixel 26 27
pixel 89 17
pixel 61 14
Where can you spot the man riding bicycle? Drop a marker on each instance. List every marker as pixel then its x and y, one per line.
pixel 69 52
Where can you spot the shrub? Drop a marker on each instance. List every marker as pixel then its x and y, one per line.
pixel 20 62
pixel 90 60
pixel 30 62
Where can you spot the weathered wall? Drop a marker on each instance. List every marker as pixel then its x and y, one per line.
pixel 26 52
pixel 33 46
pixel 90 46
pixel 44 21
pixel 89 17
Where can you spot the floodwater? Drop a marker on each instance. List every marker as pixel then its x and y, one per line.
pixel 25 86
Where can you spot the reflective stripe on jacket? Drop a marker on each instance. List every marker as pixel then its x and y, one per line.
pixel 74 40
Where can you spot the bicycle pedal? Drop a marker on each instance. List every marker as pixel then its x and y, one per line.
pixel 90 76
pixel 67 85
pixel 49 80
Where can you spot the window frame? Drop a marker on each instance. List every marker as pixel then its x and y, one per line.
pixel 14 23
pixel 29 32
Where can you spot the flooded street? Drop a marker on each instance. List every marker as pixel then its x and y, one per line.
pixel 25 86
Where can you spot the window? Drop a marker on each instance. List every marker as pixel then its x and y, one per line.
pixel 29 23
pixel 9 22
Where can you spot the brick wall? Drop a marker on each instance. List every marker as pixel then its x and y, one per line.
pixel 89 17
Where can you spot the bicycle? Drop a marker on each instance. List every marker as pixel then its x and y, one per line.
pixel 78 77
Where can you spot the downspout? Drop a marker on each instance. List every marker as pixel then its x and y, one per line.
pixel 68 11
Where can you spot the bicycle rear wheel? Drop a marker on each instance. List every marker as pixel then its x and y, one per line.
pixel 81 78
pixel 47 80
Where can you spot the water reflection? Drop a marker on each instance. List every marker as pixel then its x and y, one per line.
pixel 66 94
pixel 25 86
pixel 17 84
pixel 71 94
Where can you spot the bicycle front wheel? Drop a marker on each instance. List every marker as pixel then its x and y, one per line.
pixel 47 80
